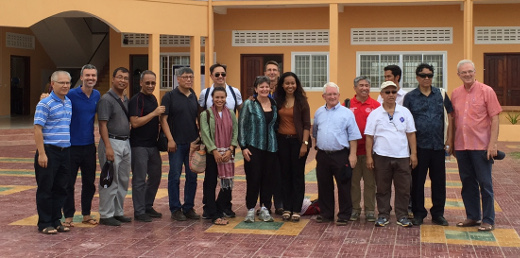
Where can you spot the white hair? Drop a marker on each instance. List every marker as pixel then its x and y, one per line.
pixel 330 84
pixel 463 62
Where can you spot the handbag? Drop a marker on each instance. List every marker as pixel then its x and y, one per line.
pixel 162 142
pixel 197 156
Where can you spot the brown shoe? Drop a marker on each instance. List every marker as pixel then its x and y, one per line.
pixel 468 223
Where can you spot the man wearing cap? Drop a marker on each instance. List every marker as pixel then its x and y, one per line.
pixel 476 134
pixel 390 136
pixel 393 73
pixel 427 105
pixel 336 134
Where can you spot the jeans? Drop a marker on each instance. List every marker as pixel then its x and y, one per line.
pixel 177 159
pixel 475 174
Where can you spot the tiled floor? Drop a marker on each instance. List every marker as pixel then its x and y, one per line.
pixel 167 238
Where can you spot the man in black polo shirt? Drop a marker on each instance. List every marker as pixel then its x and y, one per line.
pixel 179 126
pixel 144 115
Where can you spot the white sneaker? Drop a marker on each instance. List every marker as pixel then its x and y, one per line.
pixel 265 216
pixel 250 217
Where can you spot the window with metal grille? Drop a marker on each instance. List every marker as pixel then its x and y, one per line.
pixel 141 40
pixel 168 61
pixel 280 38
pixel 312 68
pixel 372 64
pixel 16 40
pixel 497 35
pixel 400 36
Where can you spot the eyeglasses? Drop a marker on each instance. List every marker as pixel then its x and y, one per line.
pixel 150 83
pixel 220 74
pixel 467 72
pixel 425 75
pixel 390 91
pixel 188 77
pixel 62 83
pixel 121 78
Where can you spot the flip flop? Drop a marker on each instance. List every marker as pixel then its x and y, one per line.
pixel 295 218
pixel 486 227
pixel 49 231
pixel 468 223
pixel 62 228
pixel 220 222
pixel 69 224
pixel 286 215
pixel 90 221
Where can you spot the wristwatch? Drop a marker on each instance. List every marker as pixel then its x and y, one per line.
pixel 306 143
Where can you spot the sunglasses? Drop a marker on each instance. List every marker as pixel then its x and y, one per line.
pixel 220 74
pixel 390 91
pixel 426 75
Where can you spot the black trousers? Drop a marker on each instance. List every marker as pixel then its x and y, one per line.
pixel 84 158
pixel 259 174
pixel 213 208
pixel 52 185
pixel 330 166
pixel 432 161
pixel 293 173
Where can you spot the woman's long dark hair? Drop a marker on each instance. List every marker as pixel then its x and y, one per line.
pixel 299 94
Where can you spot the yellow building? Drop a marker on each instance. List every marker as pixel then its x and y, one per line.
pixel 320 40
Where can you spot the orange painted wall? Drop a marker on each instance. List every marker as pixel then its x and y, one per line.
pixel 39 61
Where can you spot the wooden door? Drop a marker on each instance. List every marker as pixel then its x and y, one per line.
pixel 499 71
pixel 251 66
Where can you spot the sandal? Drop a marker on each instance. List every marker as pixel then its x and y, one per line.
pixel 286 215
pixel 295 218
pixel 90 221
pixel 486 227
pixel 69 224
pixel 62 228
pixel 220 221
pixel 468 223
pixel 49 231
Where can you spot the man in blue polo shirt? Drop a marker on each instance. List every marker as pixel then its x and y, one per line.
pixel 52 159
pixel 83 150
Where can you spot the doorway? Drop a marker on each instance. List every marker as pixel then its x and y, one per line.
pixel 20 85
pixel 252 65
pixel 138 64
pixel 500 70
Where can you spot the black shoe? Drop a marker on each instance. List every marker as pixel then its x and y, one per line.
pixel 123 218
pixel 143 217
pixel 417 221
pixel 205 216
pixel 440 221
pixel 229 214
pixel 341 222
pixel 321 219
pixel 109 221
pixel 153 213
pixel 191 214
pixel 278 211
pixel 178 215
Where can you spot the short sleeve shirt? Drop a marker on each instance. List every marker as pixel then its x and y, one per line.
pixel 109 110
pixel 428 114
pixel 146 135
pixel 83 116
pixel 182 114
pixel 473 112
pixel 390 134
pixel 230 101
pixel 361 111
pixel 333 128
pixel 53 115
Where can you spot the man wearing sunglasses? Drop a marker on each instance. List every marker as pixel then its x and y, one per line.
pixel 144 112
pixel 390 137
pixel 218 76
pixel 427 105
pixel 393 73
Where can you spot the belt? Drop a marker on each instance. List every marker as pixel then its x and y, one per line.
pixel 332 151
pixel 121 138
pixel 288 136
pixel 55 147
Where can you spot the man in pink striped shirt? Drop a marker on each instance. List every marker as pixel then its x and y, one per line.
pixel 476 111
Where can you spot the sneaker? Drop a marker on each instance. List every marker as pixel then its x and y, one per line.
pixel 321 219
pixel 404 222
pixel 341 222
pixel 265 216
pixel 381 222
pixel 417 221
pixel 191 214
pixel 143 217
pixel 109 221
pixel 229 213
pixel 250 217
pixel 370 216
pixel 440 221
pixel 205 216
pixel 123 218
pixel 279 211
pixel 153 213
pixel 178 215
pixel 354 216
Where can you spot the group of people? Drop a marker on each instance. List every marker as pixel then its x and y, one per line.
pixel 398 139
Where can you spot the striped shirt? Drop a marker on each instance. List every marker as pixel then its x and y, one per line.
pixel 54 114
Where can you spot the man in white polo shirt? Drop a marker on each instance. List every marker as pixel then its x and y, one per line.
pixel 390 135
